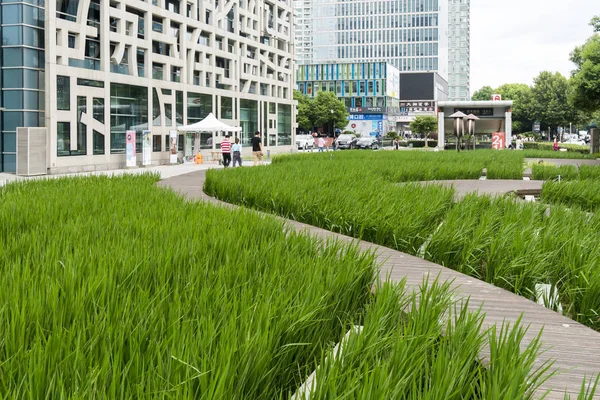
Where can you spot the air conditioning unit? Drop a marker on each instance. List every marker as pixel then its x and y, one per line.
pixel 32 151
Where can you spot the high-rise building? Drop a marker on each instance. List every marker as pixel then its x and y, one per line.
pixel 90 70
pixel 459 53
pixel 412 35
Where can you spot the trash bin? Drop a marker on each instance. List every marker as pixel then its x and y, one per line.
pixel 410 145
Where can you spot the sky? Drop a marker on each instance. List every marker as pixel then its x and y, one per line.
pixel 512 41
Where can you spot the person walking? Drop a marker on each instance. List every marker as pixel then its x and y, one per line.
pixel 257 148
pixel 321 144
pixel 237 152
pixel 555 144
pixel 226 151
pixel 396 144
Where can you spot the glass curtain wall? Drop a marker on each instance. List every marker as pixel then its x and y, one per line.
pixel 284 125
pixel 248 120
pixel 128 111
pixel 22 78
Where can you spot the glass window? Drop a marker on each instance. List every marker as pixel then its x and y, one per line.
pixel 179 107
pixel 10 142
pixel 128 111
pixel 168 114
pixel 12 14
pixel 98 109
pixel 63 93
pixel 13 99
pixel 12 57
pixel 11 36
pixel 248 119
pixel 198 106
pixel 33 100
pixel 156 109
pixel 63 137
pixel 12 120
pixel 99 143
pixel 226 107
pixel 156 143
pixel 12 78
pixel 284 124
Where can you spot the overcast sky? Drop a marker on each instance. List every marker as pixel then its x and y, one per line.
pixel 513 40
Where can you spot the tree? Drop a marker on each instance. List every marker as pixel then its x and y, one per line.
pixel 522 97
pixel 485 93
pixel 550 105
pixel 424 124
pixel 324 104
pixel 595 23
pixel 585 79
pixel 305 115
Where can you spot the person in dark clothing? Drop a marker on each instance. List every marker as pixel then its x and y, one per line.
pixel 257 148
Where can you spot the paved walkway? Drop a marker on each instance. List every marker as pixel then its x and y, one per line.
pixel 494 187
pixel 560 161
pixel 574 347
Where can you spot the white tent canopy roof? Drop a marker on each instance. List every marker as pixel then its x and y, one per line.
pixel 209 124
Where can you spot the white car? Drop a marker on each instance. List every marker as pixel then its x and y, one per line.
pixel 305 142
pixel 572 140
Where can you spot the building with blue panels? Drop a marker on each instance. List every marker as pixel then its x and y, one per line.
pixel 367 89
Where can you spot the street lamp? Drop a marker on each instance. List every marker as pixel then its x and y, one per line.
pixel 471 127
pixel 459 127
pixel 333 137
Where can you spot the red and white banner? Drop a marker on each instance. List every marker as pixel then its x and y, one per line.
pixel 498 140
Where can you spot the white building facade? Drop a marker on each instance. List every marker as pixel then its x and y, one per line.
pixel 114 66
pixel 459 78
pixel 412 35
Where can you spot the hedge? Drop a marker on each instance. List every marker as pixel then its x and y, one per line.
pixel 550 146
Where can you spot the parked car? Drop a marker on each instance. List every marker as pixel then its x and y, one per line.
pixel 346 141
pixel 368 142
pixel 305 142
pixel 579 142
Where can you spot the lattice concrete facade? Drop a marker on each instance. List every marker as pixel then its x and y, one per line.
pixel 118 65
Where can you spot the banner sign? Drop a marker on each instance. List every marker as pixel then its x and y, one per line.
pixel 130 148
pixel 498 140
pixel 537 127
pixel 365 117
pixel 478 112
pixel 146 148
pixel 417 106
pixel 366 110
pixel 173 147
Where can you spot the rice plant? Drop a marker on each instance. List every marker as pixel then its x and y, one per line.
pixel 114 288
pixel 545 172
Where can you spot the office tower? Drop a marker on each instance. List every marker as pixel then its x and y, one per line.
pixel 459 54
pixel 412 35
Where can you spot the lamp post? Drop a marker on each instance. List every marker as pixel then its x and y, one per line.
pixel 471 127
pixel 333 137
pixel 459 127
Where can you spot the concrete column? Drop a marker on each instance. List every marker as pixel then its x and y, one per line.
pixel 441 137
pixel 594 140
pixel 508 127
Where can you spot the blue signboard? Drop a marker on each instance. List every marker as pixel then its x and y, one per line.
pixel 365 117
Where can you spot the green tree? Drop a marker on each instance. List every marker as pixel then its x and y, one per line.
pixel 424 124
pixel 522 97
pixel 550 105
pixel 595 23
pixel 305 115
pixel 585 79
pixel 483 94
pixel 329 111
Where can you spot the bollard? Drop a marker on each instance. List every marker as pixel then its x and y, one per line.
pixel 268 155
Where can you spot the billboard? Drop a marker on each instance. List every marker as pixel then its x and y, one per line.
pixel 173 147
pixel 146 148
pixel 417 86
pixel 392 84
pixel 130 148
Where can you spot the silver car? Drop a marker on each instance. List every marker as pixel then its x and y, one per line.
pixel 305 142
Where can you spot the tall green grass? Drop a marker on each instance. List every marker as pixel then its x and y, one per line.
pixel 114 288
pixel 430 351
pixel 544 172
pixel 504 242
pixel 558 154
pixel 584 194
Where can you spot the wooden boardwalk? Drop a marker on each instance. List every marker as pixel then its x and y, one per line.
pixel 574 348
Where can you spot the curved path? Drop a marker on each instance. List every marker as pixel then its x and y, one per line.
pixel 574 348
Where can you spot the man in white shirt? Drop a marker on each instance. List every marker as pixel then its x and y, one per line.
pixel 237 152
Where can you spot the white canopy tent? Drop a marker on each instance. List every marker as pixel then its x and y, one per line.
pixel 208 124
